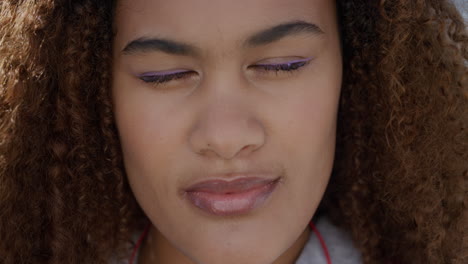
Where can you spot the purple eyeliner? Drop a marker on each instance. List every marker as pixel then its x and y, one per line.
pixel 289 62
pixel 166 76
pixel 162 73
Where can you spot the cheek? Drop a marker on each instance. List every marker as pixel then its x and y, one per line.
pixel 147 136
pixel 311 142
pixel 309 116
pixel 307 134
pixel 141 133
pixel 144 123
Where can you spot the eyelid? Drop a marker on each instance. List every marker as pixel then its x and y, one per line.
pixel 163 77
pixel 161 73
pixel 286 62
pixel 169 72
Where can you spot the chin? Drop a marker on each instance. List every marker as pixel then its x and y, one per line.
pixel 241 249
pixel 235 256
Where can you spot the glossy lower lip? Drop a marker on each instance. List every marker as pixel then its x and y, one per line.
pixel 231 204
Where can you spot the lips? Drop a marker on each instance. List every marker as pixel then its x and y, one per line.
pixel 226 187
pixel 229 198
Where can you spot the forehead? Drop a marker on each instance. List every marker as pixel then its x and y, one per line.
pixel 211 23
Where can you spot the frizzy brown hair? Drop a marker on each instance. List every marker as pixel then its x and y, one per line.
pixel 400 177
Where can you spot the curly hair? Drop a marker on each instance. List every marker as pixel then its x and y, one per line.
pixel 399 182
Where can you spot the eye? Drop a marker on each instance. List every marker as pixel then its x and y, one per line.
pixel 164 76
pixel 289 66
pixel 159 78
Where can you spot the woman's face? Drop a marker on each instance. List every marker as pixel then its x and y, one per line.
pixel 215 91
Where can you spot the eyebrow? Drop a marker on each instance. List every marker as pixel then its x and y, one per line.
pixel 264 37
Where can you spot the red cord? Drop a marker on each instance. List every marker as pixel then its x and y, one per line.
pixel 145 232
pixel 139 242
pixel 322 242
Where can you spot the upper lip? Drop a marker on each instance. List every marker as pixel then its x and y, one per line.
pixel 241 183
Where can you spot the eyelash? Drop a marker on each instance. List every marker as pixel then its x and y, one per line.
pixel 289 67
pixel 285 67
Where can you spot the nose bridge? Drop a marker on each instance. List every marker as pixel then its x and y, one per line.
pixel 226 126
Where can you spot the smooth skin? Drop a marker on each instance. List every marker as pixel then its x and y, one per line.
pixel 226 115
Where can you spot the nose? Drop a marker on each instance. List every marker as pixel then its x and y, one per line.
pixel 226 129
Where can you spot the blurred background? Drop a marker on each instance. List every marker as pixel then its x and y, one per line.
pixel 463 7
